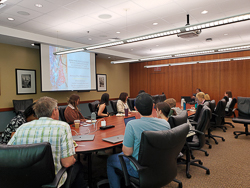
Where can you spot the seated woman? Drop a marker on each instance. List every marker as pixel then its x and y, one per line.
pixel 122 103
pixel 229 95
pixel 162 110
pixel 72 112
pixel 172 103
pixel 101 108
pixel 201 97
pixel 207 97
pixel 27 116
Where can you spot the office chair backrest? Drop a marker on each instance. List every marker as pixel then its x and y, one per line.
pixel 219 112
pixel 212 105
pixel 197 113
pixel 26 166
pixel 114 105
pixel 93 106
pixel 178 120
pixel 162 97
pixel 61 113
pixel 231 106
pixel 158 152
pixel 21 105
pixel 244 107
pixel 156 99
pixel 131 103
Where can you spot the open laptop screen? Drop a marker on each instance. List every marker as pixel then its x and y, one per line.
pixel 126 120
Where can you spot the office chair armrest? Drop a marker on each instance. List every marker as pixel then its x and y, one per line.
pixel 234 111
pixel 124 168
pixel 196 131
pixel 213 114
pixel 56 180
pixel 193 123
pixel 191 116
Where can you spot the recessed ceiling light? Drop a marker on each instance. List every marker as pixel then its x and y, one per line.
pixel 33 44
pixel 204 12
pixel 23 13
pixel 118 32
pixel 156 45
pixel 108 57
pixel 105 16
pixel 90 38
pixel 132 49
pixel 225 34
pixel 11 19
pixel 39 5
pixel 155 23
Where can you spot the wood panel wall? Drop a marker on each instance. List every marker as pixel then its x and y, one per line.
pixel 177 81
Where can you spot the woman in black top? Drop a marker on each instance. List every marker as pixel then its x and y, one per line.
pixel 101 108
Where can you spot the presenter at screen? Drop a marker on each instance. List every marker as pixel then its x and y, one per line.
pixel 72 112
pixel 101 108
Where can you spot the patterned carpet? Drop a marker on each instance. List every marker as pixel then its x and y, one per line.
pixel 229 163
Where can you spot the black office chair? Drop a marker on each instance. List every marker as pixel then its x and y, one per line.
pixel 131 103
pixel 158 153
pixel 202 123
pixel 21 105
pixel 162 97
pixel 156 99
pixel 28 166
pixel 244 115
pixel 114 106
pixel 93 106
pixel 230 112
pixel 178 120
pixel 61 113
pixel 216 120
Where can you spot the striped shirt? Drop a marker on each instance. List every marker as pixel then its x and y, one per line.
pixel 57 133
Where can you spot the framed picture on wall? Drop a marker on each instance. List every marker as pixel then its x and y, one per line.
pixel 25 81
pixel 101 82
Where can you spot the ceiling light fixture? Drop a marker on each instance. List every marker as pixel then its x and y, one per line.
pixel 156 58
pixel 204 12
pixel 155 23
pixel 197 62
pixel 118 32
pixel 187 28
pixel 125 61
pixel 11 19
pixel 39 5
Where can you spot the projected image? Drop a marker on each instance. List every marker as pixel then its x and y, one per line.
pixel 58 69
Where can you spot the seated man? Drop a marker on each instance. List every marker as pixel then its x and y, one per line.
pixel 48 129
pixel 132 137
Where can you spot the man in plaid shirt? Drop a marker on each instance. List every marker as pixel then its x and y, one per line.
pixel 48 129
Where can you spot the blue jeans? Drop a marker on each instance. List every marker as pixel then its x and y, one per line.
pixel 112 163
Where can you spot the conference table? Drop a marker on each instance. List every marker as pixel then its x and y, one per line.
pixel 87 147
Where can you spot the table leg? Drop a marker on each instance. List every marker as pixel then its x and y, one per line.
pixel 89 170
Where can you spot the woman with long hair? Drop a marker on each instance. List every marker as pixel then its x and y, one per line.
pixel 101 108
pixel 122 102
pixel 72 112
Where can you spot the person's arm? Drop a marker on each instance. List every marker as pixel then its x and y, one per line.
pixel 68 161
pixel 101 109
pixel 128 151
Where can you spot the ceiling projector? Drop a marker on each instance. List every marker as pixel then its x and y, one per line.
pixel 189 34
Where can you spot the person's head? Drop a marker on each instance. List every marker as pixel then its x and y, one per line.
pixel 141 91
pixel 74 100
pixel 123 97
pixel 105 99
pixel 144 104
pixel 229 94
pixel 46 107
pixel 29 113
pixel 198 90
pixel 171 102
pixel 207 97
pixel 200 96
pixel 162 109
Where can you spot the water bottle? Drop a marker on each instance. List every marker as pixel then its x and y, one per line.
pixel 93 116
pixel 182 100
pixel 196 104
pixel 184 105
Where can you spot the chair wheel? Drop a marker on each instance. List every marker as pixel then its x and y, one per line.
pixel 201 163
pixel 180 185
pixel 188 176
pixel 216 142
pixel 210 147
pixel 208 172
pixel 224 130
pixel 236 136
pixel 193 157
pixel 223 139
pixel 234 133
pixel 206 154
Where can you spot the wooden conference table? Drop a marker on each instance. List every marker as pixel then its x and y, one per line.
pixel 87 147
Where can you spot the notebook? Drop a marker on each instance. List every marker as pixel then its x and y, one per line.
pixel 114 139
pixel 83 137
pixel 126 120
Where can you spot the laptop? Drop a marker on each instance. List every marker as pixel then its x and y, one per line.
pixel 114 139
pixel 83 137
pixel 126 120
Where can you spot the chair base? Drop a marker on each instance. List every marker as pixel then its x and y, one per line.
pixel 209 135
pixel 237 133
pixel 229 124
pixel 179 182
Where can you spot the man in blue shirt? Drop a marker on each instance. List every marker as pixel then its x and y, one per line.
pixel 132 137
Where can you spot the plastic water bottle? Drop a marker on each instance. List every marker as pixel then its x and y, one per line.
pixel 182 100
pixel 93 116
pixel 196 105
pixel 184 105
